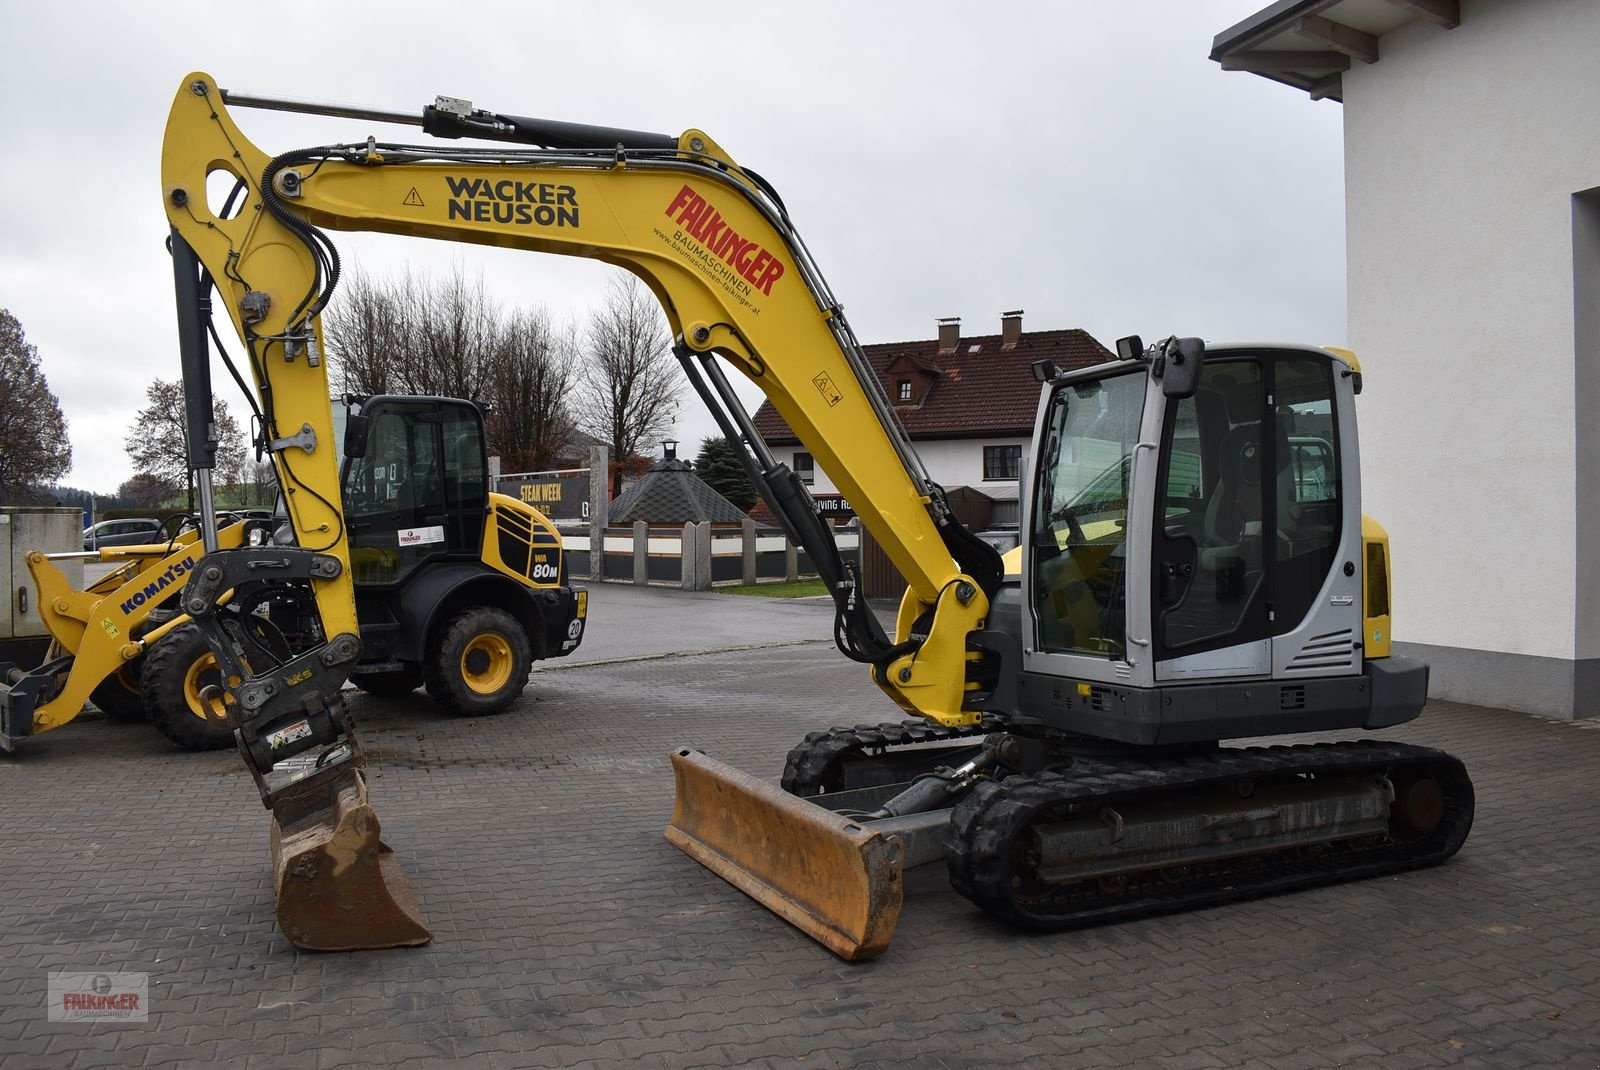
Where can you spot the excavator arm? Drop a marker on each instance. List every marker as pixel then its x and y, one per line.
pixel 714 244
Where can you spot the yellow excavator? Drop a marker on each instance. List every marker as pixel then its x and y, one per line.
pixel 1195 567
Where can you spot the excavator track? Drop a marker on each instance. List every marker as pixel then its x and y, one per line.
pixel 1000 831
pixel 818 763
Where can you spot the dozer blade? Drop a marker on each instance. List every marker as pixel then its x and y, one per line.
pixel 832 879
pixel 339 887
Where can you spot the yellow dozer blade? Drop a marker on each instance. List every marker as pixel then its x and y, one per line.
pixel 339 887
pixel 837 882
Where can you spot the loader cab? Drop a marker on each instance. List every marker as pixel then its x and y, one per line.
pixel 414 477
pixel 1214 535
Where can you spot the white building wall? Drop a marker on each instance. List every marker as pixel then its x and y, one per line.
pixel 1464 149
pixel 956 462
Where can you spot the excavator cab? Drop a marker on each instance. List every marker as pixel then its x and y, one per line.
pixel 1182 541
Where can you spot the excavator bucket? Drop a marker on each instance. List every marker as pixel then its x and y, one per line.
pixel 834 880
pixel 339 887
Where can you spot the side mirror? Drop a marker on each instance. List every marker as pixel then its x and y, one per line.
pixel 356 429
pixel 1179 366
pixel 1130 348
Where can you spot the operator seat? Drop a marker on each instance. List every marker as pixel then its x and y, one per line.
pixel 1235 503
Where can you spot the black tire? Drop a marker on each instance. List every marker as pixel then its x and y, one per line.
pixel 118 697
pixel 388 684
pixel 174 672
pixel 480 664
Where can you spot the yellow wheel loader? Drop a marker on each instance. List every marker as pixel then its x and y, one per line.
pixel 1194 568
pixel 101 634
pixel 457 589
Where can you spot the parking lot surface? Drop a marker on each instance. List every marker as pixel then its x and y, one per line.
pixel 567 932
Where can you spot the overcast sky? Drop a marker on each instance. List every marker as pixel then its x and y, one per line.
pixel 1081 160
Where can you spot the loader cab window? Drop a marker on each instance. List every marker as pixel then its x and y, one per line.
pixel 1080 516
pixel 419 490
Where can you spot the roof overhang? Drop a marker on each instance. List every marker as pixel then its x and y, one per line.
pixel 1309 44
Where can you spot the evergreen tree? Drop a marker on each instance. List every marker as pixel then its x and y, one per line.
pixel 718 464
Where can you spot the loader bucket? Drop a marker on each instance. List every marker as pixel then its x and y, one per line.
pixel 832 879
pixel 339 887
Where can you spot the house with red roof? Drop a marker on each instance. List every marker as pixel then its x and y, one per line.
pixel 967 404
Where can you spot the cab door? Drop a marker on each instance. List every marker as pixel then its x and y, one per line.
pixel 1251 515
pixel 1086 543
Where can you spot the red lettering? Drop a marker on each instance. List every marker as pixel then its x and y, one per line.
pixel 701 220
pixel 737 247
pixel 690 216
pixel 711 232
pixel 742 261
pixel 680 200
pixel 758 265
pixel 773 273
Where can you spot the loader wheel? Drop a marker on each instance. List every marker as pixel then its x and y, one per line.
pixel 481 663
pixel 388 684
pixel 174 674
pixel 117 696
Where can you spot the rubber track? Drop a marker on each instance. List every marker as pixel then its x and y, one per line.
pixel 811 767
pixel 991 822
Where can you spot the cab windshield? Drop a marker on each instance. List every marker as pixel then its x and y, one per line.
pixel 1080 515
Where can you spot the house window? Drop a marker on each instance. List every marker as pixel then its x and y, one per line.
pixel 905 390
pixel 1001 462
pixel 805 468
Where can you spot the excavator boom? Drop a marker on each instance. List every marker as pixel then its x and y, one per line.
pixel 715 246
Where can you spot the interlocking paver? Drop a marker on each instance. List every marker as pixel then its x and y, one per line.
pixel 568 933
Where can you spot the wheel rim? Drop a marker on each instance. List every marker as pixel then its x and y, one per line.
pixel 203 672
pixel 128 676
pixel 486 663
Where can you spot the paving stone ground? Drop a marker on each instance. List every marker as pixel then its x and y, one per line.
pixel 568 933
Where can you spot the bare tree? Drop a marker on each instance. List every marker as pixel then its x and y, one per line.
pixel 412 335
pixel 34 451
pixel 528 385
pixel 263 478
pixel 369 334
pixel 457 327
pixel 146 491
pixel 421 336
pixel 157 442
pixel 628 395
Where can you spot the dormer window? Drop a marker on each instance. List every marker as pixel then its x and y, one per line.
pixel 904 390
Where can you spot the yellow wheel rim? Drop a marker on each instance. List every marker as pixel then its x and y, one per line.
pixel 486 663
pixel 128 677
pixel 203 672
